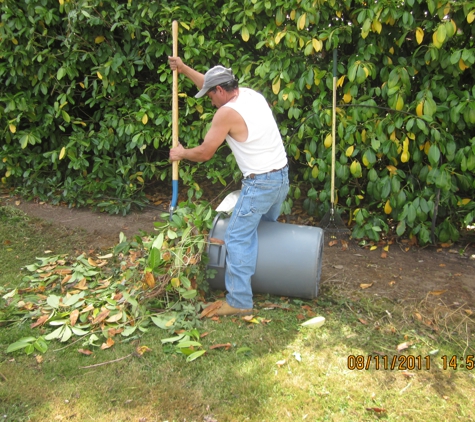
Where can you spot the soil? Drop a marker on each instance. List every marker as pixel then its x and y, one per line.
pixel 443 274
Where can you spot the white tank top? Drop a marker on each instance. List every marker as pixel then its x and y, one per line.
pixel 263 150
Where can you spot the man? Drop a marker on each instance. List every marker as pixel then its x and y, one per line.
pixel 245 120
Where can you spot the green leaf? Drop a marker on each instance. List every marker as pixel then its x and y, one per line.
pixel 128 331
pixel 53 301
pixel 20 344
pixel 24 141
pixel 60 74
pixel 185 344
pixel 56 334
pixel 41 345
pixel 154 259
pixel 401 228
pixel 174 339
pixel 165 321
pixel 195 355
pixel 66 116
pixel 158 242
pixel 79 332
pixel 434 155
pixel 189 294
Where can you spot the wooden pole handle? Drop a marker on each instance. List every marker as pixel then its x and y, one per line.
pixel 332 194
pixel 175 100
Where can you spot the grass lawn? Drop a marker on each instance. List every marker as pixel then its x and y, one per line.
pixel 273 370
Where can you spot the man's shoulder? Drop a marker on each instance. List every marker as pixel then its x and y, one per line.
pixel 225 113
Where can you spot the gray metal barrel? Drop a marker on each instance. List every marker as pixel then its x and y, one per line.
pixel 289 258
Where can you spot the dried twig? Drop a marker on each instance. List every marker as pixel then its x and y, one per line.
pixel 106 363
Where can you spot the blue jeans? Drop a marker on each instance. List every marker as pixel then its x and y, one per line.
pixel 261 198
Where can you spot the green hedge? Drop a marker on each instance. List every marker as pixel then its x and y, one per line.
pixel 85 102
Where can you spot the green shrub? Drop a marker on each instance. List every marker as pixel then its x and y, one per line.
pixel 85 102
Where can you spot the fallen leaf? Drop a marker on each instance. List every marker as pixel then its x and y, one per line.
pixel 115 318
pixel 101 264
pixel 363 321
pixel 333 243
pixel 376 409
pixel 306 307
pixel 366 286
pixel 82 285
pixel 85 352
pixel 373 248
pixel 384 255
pixel 300 317
pixel 40 321
pixel 73 317
pixel 109 255
pixel 149 280
pixel 403 346
pixel 63 271
pixel 437 292
pixel 170 322
pixel 91 262
pixel 408 374
pixel 442 265
pixel 269 306
pixel 111 332
pixel 392 283
pixel 344 245
pixel 88 308
pixel 210 310
pixel 39 359
pixel 226 346
pixel 66 279
pixel 109 343
pixel 281 362
pixel 250 318
pixel 418 316
pixel 446 245
pixel 469 312
pixel 215 241
pixel 142 349
pixel 102 316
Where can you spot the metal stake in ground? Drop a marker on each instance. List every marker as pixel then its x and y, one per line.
pixel 331 223
pixel 174 121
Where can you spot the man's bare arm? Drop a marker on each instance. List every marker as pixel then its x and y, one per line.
pixel 196 77
pixel 216 135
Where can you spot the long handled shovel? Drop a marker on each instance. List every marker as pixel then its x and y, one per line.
pixel 331 222
pixel 174 121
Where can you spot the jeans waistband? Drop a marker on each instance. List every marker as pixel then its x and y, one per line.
pixel 253 175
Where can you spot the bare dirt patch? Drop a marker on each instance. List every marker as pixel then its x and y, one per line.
pixel 442 276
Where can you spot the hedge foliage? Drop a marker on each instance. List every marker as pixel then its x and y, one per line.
pixel 85 101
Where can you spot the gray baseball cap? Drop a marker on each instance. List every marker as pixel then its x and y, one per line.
pixel 215 76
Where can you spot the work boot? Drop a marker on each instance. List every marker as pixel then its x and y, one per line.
pixel 226 309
